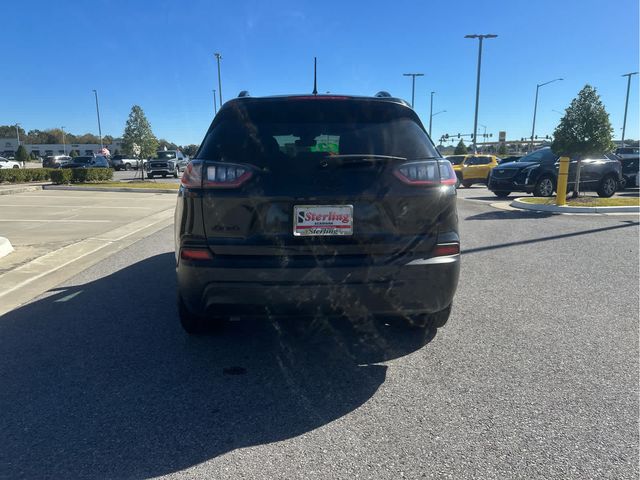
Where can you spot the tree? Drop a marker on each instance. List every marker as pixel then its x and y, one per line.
pixel 74 153
pixel 461 149
pixel 584 130
pixel 162 143
pixel 138 135
pixel 190 150
pixel 9 131
pixel 21 154
pixel 502 150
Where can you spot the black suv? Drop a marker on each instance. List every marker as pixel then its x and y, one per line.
pixel 537 173
pixel 317 204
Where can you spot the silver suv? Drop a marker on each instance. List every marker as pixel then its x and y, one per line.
pixel 166 162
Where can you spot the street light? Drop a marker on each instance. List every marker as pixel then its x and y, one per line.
pixel 535 107
pixel 18 132
pixel 98 113
pixel 64 141
pixel 413 84
pixel 559 113
pixel 626 103
pixel 215 107
pixel 431 119
pixel 218 58
pixel 475 119
pixel 431 112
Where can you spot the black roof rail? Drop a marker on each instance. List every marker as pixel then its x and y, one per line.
pixel 244 93
pixel 382 94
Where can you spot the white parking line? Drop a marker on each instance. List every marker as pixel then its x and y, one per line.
pixel 30 220
pixel 69 206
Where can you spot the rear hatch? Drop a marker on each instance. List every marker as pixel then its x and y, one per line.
pixel 326 178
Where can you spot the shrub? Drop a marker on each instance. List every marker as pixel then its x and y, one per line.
pixel 82 175
pixel 61 175
pixel 22 175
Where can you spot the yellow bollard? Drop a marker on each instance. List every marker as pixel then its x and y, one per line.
pixel 561 189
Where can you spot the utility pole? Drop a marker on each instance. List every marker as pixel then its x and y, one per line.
pixel 215 107
pixel 98 113
pixel 18 133
pixel 64 141
pixel 431 113
pixel 484 135
pixel 218 58
pixel 535 108
pixel 626 104
pixel 413 84
pixel 475 119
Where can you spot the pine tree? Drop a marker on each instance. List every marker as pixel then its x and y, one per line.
pixel 21 154
pixel 461 149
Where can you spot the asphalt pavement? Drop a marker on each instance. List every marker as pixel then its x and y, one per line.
pixel 534 376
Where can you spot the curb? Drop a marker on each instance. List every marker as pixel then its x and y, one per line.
pixel 20 189
pixel 566 209
pixel 5 247
pixel 110 189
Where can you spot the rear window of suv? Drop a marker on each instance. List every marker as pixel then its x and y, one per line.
pixel 297 130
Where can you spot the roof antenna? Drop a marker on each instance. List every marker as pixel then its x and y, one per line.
pixel 315 75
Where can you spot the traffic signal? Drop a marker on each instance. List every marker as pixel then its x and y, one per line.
pixel 458 135
pixel 446 135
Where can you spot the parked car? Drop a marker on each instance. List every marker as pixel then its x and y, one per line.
pixel 55 161
pixel 627 152
pixel 6 163
pixel 166 162
pixel 537 173
pixel 124 162
pixel 97 161
pixel 333 204
pixel 472 168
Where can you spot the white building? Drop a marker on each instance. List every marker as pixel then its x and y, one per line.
pixel 8 147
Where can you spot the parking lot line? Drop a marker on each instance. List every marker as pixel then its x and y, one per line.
pixel 20 205
pixel 32 220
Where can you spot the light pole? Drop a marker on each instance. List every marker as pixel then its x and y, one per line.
pixel 559 113
pixel 626 103
pixel 535 108
pixel 218 58
pixel 215 107
pixel 431 119
pixel 431 112
pixel 475 118
pixel 18 133
pixel 98 113
pixel 484 135
pixel 413 84
pixel 64 141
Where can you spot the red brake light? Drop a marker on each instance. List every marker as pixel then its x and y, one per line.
pixel 226 175
pixel 445 249
pixel 195 254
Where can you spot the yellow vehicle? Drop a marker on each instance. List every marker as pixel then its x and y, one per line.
pixel 472 168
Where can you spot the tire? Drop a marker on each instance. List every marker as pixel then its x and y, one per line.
pixel 164 175
pixel 544 187
pixel 466 184
pixel 150 176
pixel 127 166
pixel 608 186
pixel 15 166
pixel 192 323
pixel 502 194
pixel 176 173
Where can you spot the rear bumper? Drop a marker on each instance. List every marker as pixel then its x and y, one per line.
pixel 415 287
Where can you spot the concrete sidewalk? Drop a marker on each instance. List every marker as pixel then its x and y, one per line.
pixel 53 230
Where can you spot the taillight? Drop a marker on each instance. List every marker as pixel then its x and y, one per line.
pixel 195 254
pixel 226 175
pixel 192 176
pixel 215 175
pixel 445 249
pixel 426 173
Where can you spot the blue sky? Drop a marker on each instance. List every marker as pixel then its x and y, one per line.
pixel 159 54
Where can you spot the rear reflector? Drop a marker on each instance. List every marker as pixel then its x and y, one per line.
pixel 195 254
pixel 445 249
